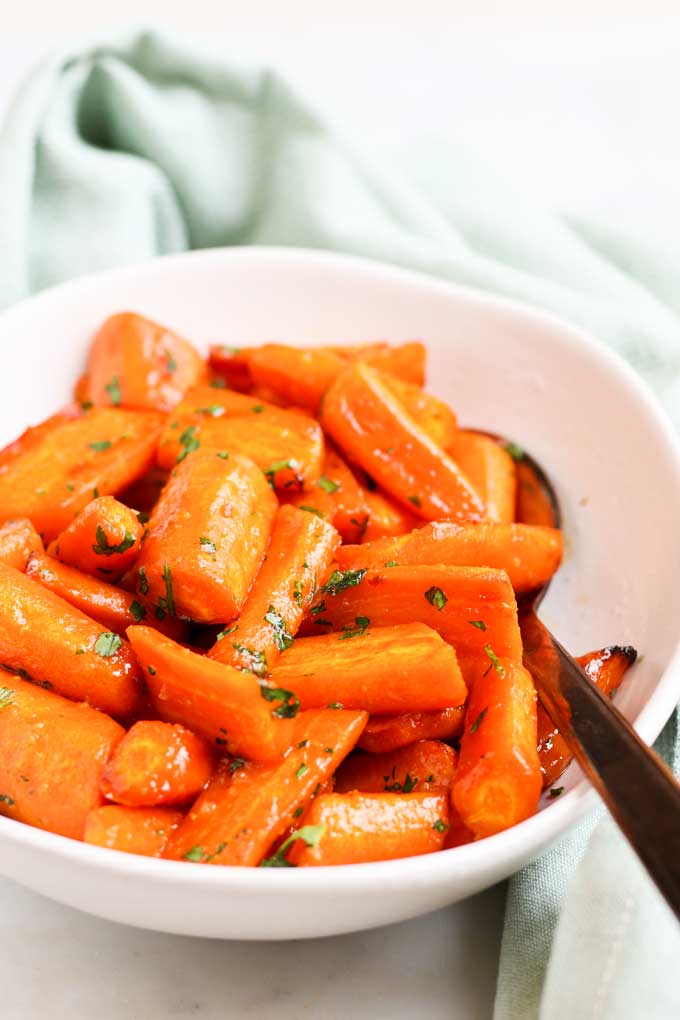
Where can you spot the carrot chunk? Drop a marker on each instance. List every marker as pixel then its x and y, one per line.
pixel 286 445
pixel 498 780
pixel 103 540
pixel 133 830
pixel 112 607
pixel 430 413
pixel 134 362
pixel 227 706
pixel 529 554
pixel 490 470
pixel 372 428
pixel 298 561
pixel 388 732
pixel 53 756
pixel 18 541
pixel 54 644
pixel 157 763
pixel 54 470
pixel 300 375
pixel 473 608
pixel 534 505
pixel 207 537
pixel 248 806
pixel 380 669
pixel 338 497
pixel 353 828
pixel 424 766
pixel 403 361
pixel 231 364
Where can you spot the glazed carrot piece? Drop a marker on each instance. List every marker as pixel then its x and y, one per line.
pixel 113 608
pixel 528 553
pixel 430 413
pixel 157 763
pixel 354 828
pixel 18 541
pixel 404 361
pixel 533 502
pixel 385 733
pixel 53 756
pixel 371 427
pixel 54 470
pixel 103 540
pixel 134 362
pixel 143 494
pixel 231 364
pixel 498 780
pixel 206 537
pixel 300 375
pixel 248 806
pixel 473 608
pixel 133 830
pixel 490 470
pixel 381 669
pixel 286 445
pixel 227 706
pixel 458 833
pixel 54 644
pixel 338 497
pixel 606 668
pixel 386 518
pixel 427 765
pixel 298 561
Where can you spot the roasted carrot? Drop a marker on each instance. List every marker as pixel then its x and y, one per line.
pixel 230 365
pixel 498 780
pixel 298 561
pixel 490 470
pixel 338 497
pixel 404 361
pixel 227 706
pixel 424 766
pixel 606 669
pixel 430 413
pixel 386 518
pixel 248 806
pixel 300 375
pixel 388 732
pixel 381 669
pixel 371 427
pixel 157 763
pixel 18 541
pixel 286 445
pixel 53 470
pixel 103 540
pixel 207 537
pixel 54 644
pixel 353 828
pixel 529 554
pixel 473 608
pixel 134 362
pixel 534 505
pixel 142 831
pixel 53 756
pixel 113 608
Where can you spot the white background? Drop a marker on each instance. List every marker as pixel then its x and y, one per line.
pixel 582 111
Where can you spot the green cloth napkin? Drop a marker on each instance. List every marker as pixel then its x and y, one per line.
pixel 136 144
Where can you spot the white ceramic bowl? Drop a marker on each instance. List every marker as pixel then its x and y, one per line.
pixel 581 412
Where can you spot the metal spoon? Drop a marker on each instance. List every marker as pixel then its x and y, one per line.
pixel 637 787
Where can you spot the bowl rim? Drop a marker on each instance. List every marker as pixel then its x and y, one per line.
pixel 532 835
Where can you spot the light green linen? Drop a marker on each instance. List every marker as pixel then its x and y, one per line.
pixel 137 144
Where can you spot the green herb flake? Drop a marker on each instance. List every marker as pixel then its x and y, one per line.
pixel 282 639
pixel 391 563
pixel 289 702
pixel 440 825
pixel 336 705
pixel 358 629
pixel 327 484
pixel 416 500
pixel 555 791
pixel 209 546
pixel 298 591
pixel 494 660
pixel 80 651
pixel 196 853
pixel 6 697
pixel 113 390
pixel 223 455
pixel 299 772
pixel 257 408
pixel 515 451
pixel 479 624
pixel 311 510
pixel 102 547
pixel 298 811
pixel 257 661
pixel 226 632
pixel 170 362
pixel 188 442
pixel 71 488
pixel 100 444
pixel 303 743
pixel 5 799
pixel 212 411
pixel 219 384
pixel 342 579
pixel 279 465
pixel 152 671
pixel 167 601
pixel 142 581
pixel 319 608
pixel 436 597
pixel 143 517
pixel 235 764
pixel 107 644
pixel 309 834
pixel 478 721
pixel 138 611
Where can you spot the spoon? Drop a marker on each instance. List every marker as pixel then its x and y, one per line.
pixel 641 793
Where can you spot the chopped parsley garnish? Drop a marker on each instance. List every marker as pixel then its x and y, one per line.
pixel 409 784
pixel 494 660
pixel 440 825
pixel 223 455
pixel 107 644
pixel 479 624
pixel 197 853
pixel 289 702
pixel 6 697
pixel 359 628
pixel 299 772
pixel 556 791
pixel 478 721
pixel 279 465
pixel 257 408
pixel 5 799
pixel 311 510
pixel 167 602
pixel 225 633
pixel 327 484
pixel 142 581
pixel 113 390
pixel 416 500
pixel 209 546
pixel 515 451
pixel 436 597
pixel 152 671
pixel 303 743
pixel 138 611
pixel 320 608
pixel 219 383
pixel 391 563
pixel 298 588
pixel 188 442
pixel 298 811
pixel 143 517
pixel 100 444
pixel 342 579
pixel 282 639
pixel 213 410
pixel 235 764
pixel 170 361
pixel 335 704
pixel 257 661
pixel 102 548
pixel 309 834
